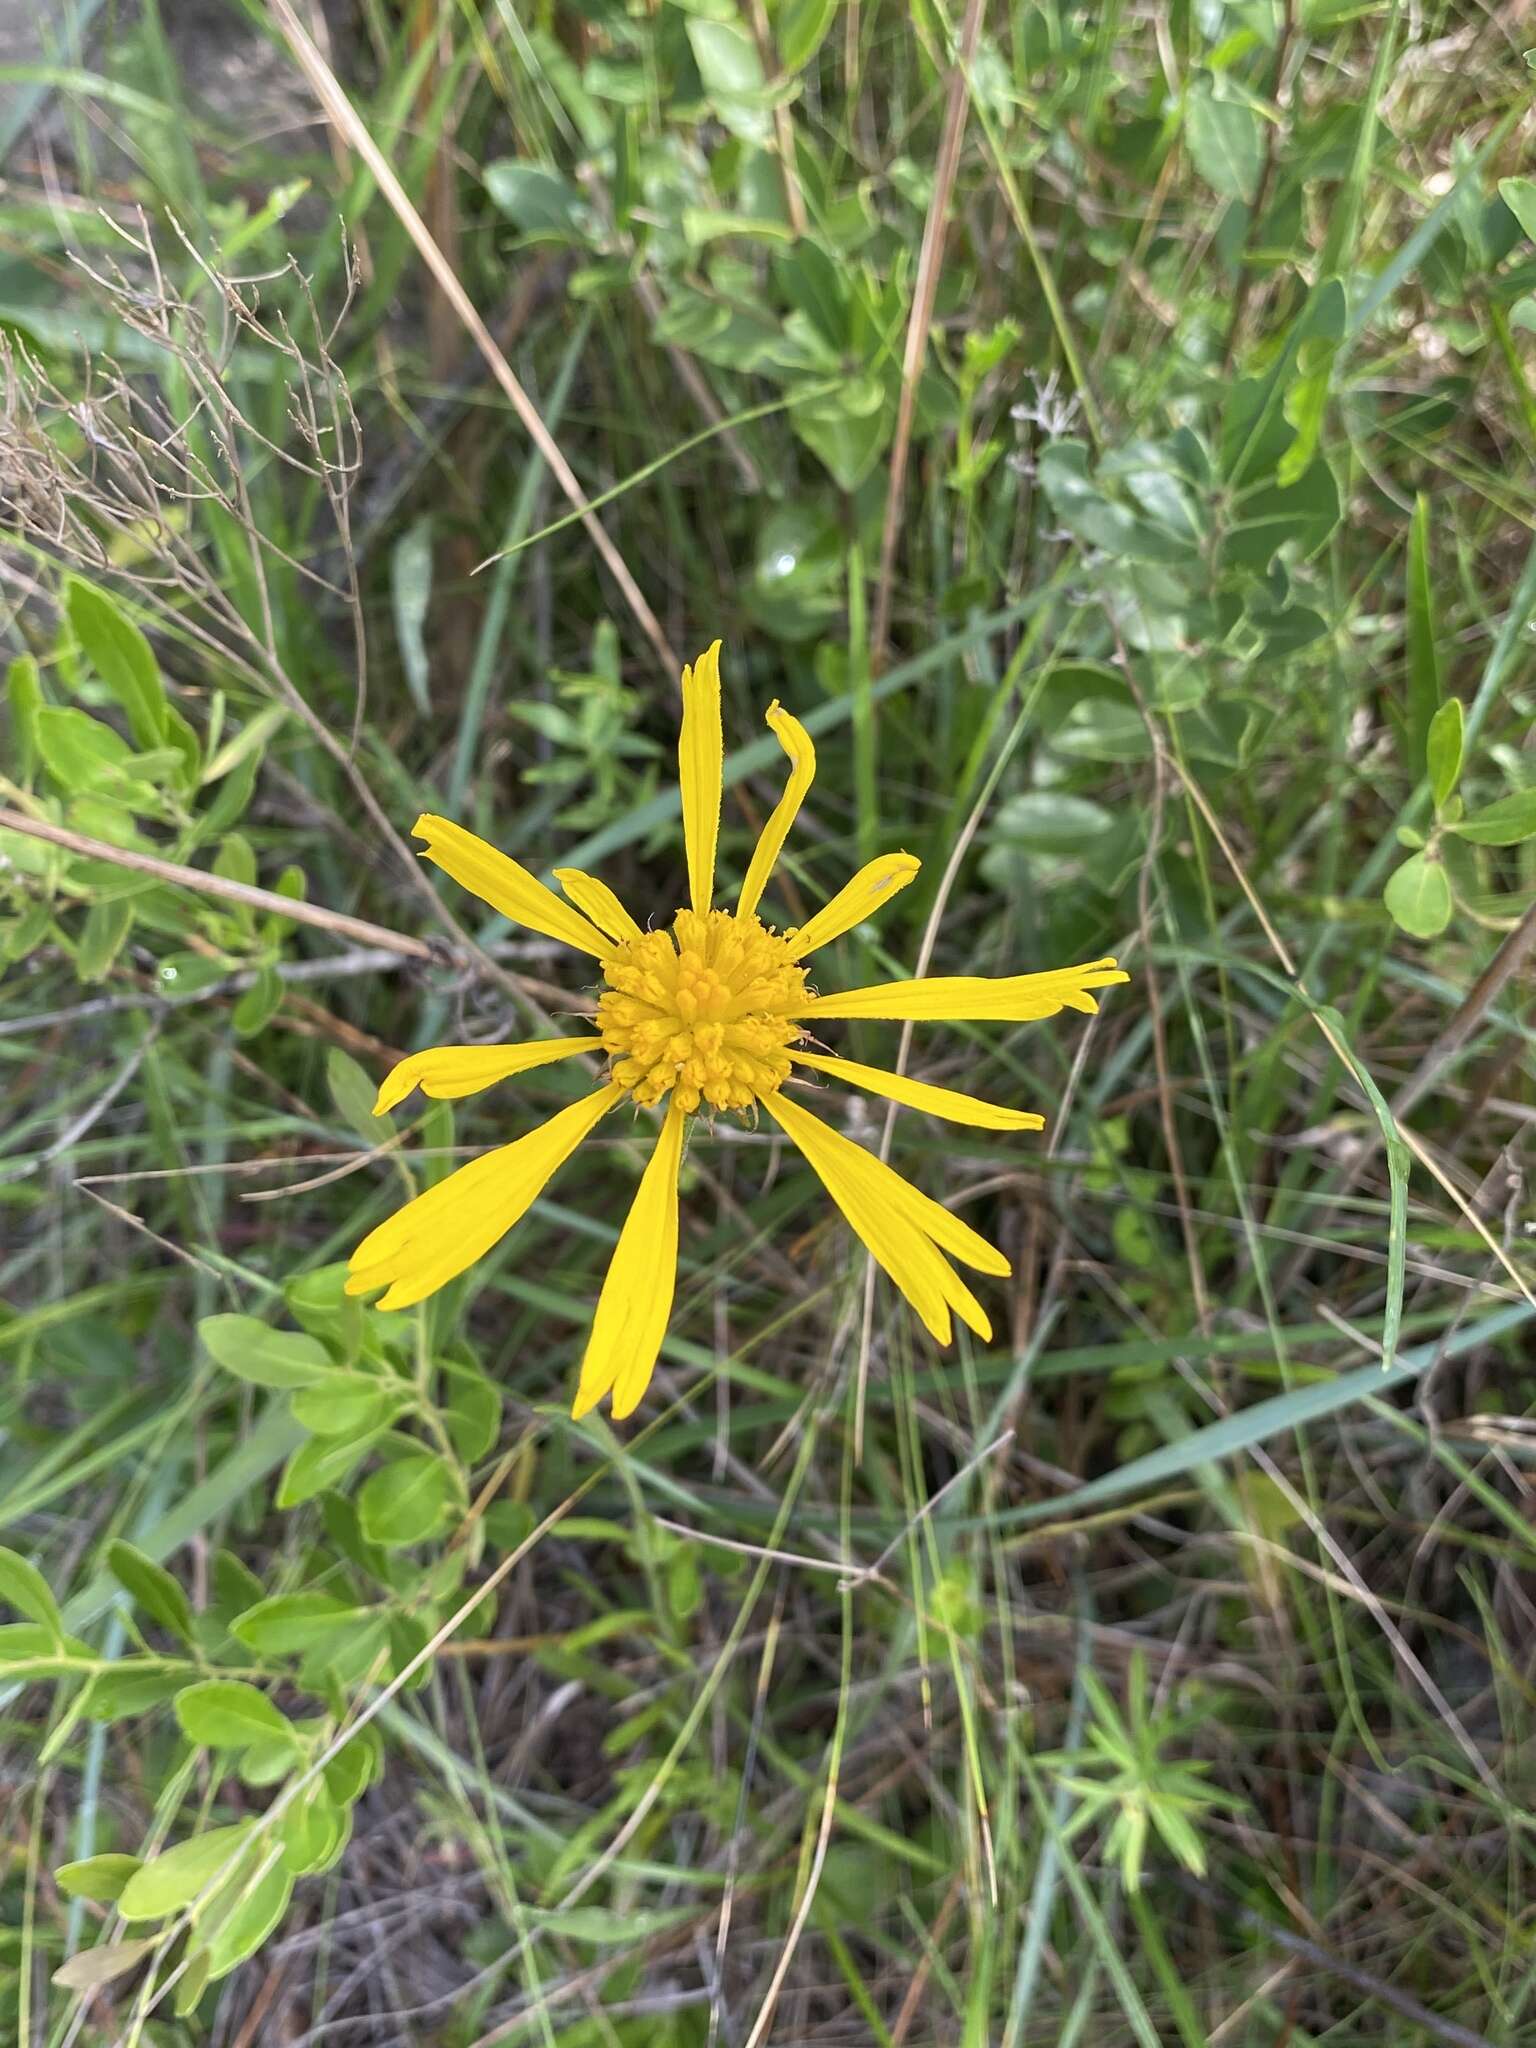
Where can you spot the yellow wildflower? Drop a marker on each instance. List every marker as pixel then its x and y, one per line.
pixel 709 1015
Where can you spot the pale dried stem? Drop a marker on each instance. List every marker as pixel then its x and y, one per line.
pixel 344 117
pixel 924 292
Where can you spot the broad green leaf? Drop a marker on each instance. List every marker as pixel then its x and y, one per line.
pixel 174 1878
pixel 1443 747
pixel 259 1005
pixel 132 1688
pixel 1224 142
pixel 702 225
pixel 1519 195
pixel 90 1967
pixel 253 1350
pixel 535 198
pixel 29 1649
pixel 96 1877
pixel 347 1405
pixel 79 752
pixel 802 28
pixel 846 430
pixel 471 1410
pixel 23 1587
pixel 1051 821
pixel 324 1461
pixel 731 70
pixel 102 937
pixel 1504 823
pixel 122 657
pixel 152 1587
pixel 1419 897
pixel 244 1924
pixel 291 1624
pixel 1424 686
pixel 226 1713
pixel 310 1831
pixel 405 1501
pixel 1264 520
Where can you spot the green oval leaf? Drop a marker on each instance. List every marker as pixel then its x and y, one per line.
pixel 96 1877
pixel 405 1501
pixel 1505 823
pixel 226 1713
pixel 152 1587
pixel 174 1878
pixel 23 1587
pixel 254 1351
pixel 1419 897
pixel 290 1624
pixel 122 657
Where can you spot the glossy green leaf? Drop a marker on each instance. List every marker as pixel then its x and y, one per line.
pixel 1225 142
pixel 152 1587
pixel 23 1587
pixel 405 1501
pixel 291 1624
pixel 1519 195
pixel 253 1350
pixel 226 1713
pixel 122 657
pixel 96 1877
pixel 1419 897
pixel 1443 747
pixel 1504 823
pixel 802 29
pixel 176 1876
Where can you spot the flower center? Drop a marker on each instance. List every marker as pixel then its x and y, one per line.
pixel 706 1008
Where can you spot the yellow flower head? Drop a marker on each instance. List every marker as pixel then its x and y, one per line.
pixel 709 1015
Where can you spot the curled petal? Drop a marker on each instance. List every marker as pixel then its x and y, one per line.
pixel 796 742
pixel 874 885
pixel 598 902
pixel 454 1070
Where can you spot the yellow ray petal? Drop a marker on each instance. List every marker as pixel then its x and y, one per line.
pixel 598 902
pixel 948 1230
pixel 873 1198
pixel 875 883
pixel 454 1070
pixel 946 1102
pixel 636 1300
pixel 796 742
pixel 497 879
pixel 700 768
pixel 441 1233
pixel 1014 999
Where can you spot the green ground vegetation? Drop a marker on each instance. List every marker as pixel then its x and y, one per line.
pixel 1110 430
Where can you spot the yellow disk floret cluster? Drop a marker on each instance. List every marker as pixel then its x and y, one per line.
pixel 705 1009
